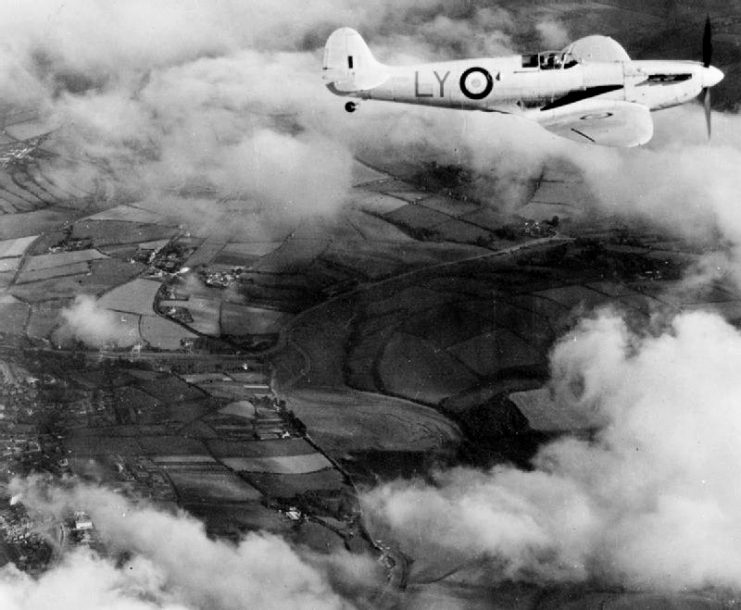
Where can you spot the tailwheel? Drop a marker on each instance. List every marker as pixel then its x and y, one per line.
pixel 351 106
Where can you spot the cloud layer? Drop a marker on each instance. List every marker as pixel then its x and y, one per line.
pixel 648 504
pixel 94 325
pixel 225 98
pixel 172 563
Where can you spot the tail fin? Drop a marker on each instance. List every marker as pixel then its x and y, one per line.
pixel 349 65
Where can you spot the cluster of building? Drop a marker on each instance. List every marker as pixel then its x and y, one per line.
pixel 20 153
pixel 15 446
pixel 93 408
pixel 70 244
pixel 538 228
pixel 221 279
pixel 144 478
pixel 170 257
pixel 22 538
pixel 22 447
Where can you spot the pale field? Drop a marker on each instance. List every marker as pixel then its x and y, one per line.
pixel 10 264
pixel 163 334
pixel 15 247
pixel 283 464
pixel 251 249
pixel 245 320
pixel 28 276
pixel 194 486
pixel 136 296
pixel 127 213
pixel 342 421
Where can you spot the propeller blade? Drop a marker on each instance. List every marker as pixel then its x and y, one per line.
pixel 707 43
pixel 706 104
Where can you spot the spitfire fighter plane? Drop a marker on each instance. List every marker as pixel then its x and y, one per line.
pixel 591 91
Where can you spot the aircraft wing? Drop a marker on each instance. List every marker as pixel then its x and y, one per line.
pixel 600 121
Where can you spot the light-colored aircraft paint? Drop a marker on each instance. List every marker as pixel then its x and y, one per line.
pixel 591 91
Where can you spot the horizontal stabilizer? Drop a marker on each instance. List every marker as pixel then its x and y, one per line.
pixel 606 122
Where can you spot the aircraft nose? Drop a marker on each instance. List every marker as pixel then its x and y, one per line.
pixel 711 76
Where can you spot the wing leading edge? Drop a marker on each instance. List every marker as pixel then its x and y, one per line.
pixel 600 121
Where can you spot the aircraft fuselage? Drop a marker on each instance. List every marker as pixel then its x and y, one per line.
pixel 591 91
pixel 523 83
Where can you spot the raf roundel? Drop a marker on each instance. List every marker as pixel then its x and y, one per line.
pixel 476 83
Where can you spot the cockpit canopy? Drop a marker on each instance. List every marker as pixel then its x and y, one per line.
pixel 549 60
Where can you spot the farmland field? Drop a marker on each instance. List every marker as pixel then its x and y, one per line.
pixel 232 519
pixel 126 213
pixel 9 265
pixel 251 250
pixel 31 223
pixel 573 296
pixel 44 318
pixel 417 370
pixel 55 288
pixel 28 276
pixel 447 325
pixel 545 414
pixel 163 334
pixel 109 232
pixel 446 205
pixel 245 320
pixel 282 464
pixel 137 296
pixel 417 217
pixel 378 203
pixel 13 316
pixel 15 247
pixel 345 421
pixel 209 486
pixel 261 449
pixel 291 257
pixel 463 232
pixel 93 445
pixel 493 351
pixel 169 388
pixel 173 445
pixel 46 261
pixel 290 485
pixel 413 299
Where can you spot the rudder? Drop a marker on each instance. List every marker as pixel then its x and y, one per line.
pixel 349 65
